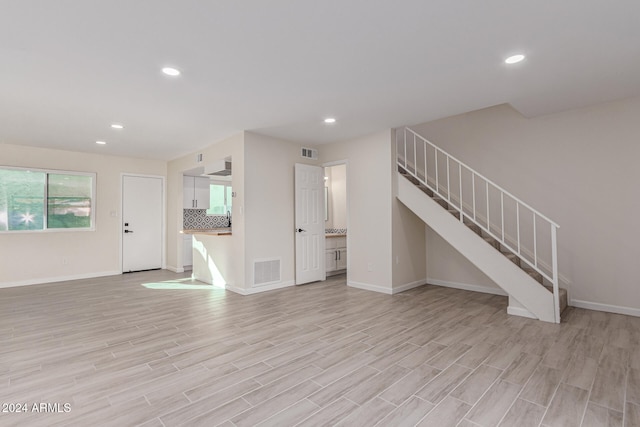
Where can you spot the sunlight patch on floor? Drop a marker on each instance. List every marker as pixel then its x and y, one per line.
pixel 182 284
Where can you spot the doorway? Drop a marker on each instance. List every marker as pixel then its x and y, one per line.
pixel 142 223
pixel 336 218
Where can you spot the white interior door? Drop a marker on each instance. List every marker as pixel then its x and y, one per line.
pixel 142 207
pixel 309 226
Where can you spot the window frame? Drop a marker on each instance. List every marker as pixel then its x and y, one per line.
pixel 226 184
pixel 46 229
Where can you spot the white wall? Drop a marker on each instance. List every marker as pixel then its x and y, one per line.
pixel 337 185
pixel 446 266
pixel 27 258
pixel 409 257
pixel 269 198
pixel 369 206
pixel 578 168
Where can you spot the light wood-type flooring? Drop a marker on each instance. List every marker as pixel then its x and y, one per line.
pixel 155 349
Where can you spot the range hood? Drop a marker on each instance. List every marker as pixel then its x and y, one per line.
pixel 218 168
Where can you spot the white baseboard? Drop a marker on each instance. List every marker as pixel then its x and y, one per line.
pixel 58 279
pixel 408 286
pixel 467 287
pixel 629 311
pixel 257 290
pixel 175 269
pixel 369 287
pixel 522 312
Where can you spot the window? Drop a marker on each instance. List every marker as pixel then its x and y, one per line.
pixel 220 202
pixel 34 199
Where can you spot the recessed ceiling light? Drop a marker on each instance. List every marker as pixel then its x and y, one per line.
pixel 329 120
pixel 169 71
pixel 100 142
pixel 117 126
pixel 514 59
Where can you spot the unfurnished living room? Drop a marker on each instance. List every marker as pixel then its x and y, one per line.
pixel 294 213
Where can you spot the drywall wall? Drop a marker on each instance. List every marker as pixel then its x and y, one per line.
pixel 578 168
pixel 446 266
pixel 378 229
pixel 27 258
pixel 409 257
pixel 231 147
pixel 269 201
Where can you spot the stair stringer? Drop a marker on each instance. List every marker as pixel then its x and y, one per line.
pixel 515 282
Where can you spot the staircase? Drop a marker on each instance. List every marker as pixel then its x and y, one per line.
pixel 512 243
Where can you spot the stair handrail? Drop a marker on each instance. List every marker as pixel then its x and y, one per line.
pixel 553 278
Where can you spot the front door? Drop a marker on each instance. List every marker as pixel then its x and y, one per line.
pixel 142 212
pixel 309 223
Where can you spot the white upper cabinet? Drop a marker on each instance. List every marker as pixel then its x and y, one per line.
pixel 201 191
pixel 195 192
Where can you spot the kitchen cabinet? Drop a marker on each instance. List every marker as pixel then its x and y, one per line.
pixel 335 254
pixel 331 260
pixel 341 263
pixel 195 191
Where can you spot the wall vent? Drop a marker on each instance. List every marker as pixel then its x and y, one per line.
pixel 266 272
pixel 309 153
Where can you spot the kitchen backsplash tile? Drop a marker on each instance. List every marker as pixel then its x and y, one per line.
pixel 335 231
pixel 197 219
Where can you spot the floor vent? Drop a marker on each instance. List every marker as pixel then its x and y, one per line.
pixel 266 272
pixel 309 153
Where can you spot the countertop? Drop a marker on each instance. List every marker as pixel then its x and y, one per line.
pixel 335 235
pixel 226 231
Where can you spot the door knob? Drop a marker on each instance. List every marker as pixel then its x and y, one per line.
pixel 128 231
pixel 300 230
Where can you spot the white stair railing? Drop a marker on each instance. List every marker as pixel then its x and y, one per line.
pixel 527 233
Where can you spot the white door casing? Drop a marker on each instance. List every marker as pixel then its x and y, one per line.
pixel 142 220
pixel 309 223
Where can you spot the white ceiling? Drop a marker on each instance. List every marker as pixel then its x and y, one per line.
pixel 70 68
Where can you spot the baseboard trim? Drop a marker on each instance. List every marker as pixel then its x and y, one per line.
pixel 260 289
pixel 58 279
pixel 522 312
pixel 369 287
pixel 408 286
pixel 175 269
pixel 629 311
pixel 467 287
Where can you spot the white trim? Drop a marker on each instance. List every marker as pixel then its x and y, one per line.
pixel 466 287
pixel 335 163
pixel 629 311
pixel 260 289
pixel 369 287
pixel 58 279
pixel 522 312
pixel 175 269
pixel 408 286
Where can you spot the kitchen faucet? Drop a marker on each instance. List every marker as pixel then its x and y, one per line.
pixel 229 219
